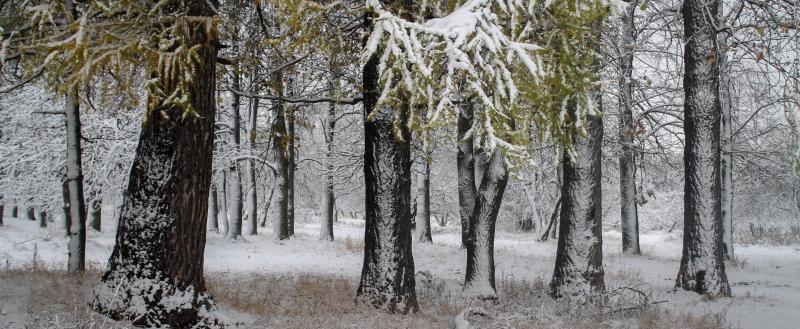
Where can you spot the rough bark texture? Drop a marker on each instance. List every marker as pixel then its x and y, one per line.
pixel 213 209
pixel 579 255
pixel 479 281
pixel 326 227
pixel 465 161
pixel 702 267
pixel 155 272
pixel 726 141
pixel 250 173
pixel 387 277
pixel 424 205
pixel 95 213
pixel 629 213
pixel 280 224
pixel 234 170
pixel 77 207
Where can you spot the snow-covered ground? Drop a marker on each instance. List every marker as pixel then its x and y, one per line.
pixel 765 279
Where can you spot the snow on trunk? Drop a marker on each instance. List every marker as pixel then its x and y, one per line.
pixel 95 212
pixel 423 228
pixel 479 281
pixel 579 255
pixel 629 213
pixel 387 276
pixel 76 224
pixel 326 225
pixel 250 172
pixel 280 224
pixel 465 162
pixel 702 267
pixel 213 209
pixel 30 213
pixel 234 170
pixel 155 272
pixel 726 141
pixel 42 218
pixel 292 165
pixel 222 189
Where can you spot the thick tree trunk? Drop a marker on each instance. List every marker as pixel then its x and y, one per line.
pixel 387 277
pixel 326 226
pixel 629 213
pixel 213 207
pixel 702 266
pixel 250 173
pixel 726 140
pixel 155 272
pixel 42 218
pixel 77 207
pixel 479 281
pixel 465 161
pixel 234 170
pixel 280 142
pixel 424 205
pixel 579 255
pixel 95 213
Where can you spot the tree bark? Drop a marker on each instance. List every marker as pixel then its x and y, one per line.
pixel 424 205
pixel 280 142
pixel 236 206
pixel 465 161
pixel 702 267
pixel 30 213
pixel 579 255
pixel 2 213
pixel 222 189
pixel 726 140
pixel 480 281
pixel 291 154
pixel 76 262
pixel 326 227
pixel 155 272
pixel 387 277
pixel 213 207
pixel 252 197
pixel 95 213
pixel 42 218
pixel 14 211
pixel 629 213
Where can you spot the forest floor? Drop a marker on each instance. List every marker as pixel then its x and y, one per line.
pixel 307 283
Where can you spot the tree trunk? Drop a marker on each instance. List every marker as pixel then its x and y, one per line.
pixel 479 281
pixel 65 206
pixel 290 150
pixel 465 161
pixel 42 218
pixel 2 213
pixel 155 272
pixel 551 225
pixel 424 205
pixel 213 207
pixel 267 201
pixel 629 213
pixel 234 171
pixel 387 277
pixel 702 267
pixel 326 227
pixel 77 207
pixel 30 213
pixel 222 189
pixel 579 255
pixel 250 173
pixel 14 211
pixel 95 213
pixel 726 140
pixel 280 143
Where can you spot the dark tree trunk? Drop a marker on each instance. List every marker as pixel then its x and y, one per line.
pixel 387 277
pixel 42 218
pixel 579 255
pixel 213 208
pixel 326 227
pixel 77 205
pixel 267 203
pixel 15 211
pixel 629 213
pixel 280 141
pixel 479 281
pixel 702 266
pixel 155 272
pixel 424 205
pixel 465 161
pixel 290 150
pixel 2 213
pixel 30 213
pixel 551 225
pixel 252 197
pixel 65 206
pixel 222 189
pixel 95 213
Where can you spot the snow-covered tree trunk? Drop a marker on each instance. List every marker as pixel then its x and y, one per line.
pixel 465 162
pixel 95 212
pixel 30 213
pixel 726 140
pixel 291 158
pixel 213 209
pixel 629 213
pixel 579 255
pixel 326 226
pixel 280 224
pixel 387 276
pixel 76 221
pixel 222 189
pixel 234 170
pixel 250 173
pixel 479 281
pixel 42 218
pixel 155 272
pixel 702 266
pixel 424 204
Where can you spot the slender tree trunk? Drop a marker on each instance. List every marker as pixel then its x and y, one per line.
pixel 465 161
pixel 627 132
pixel 222 189
pixel 579 255
pixel 479 281
pixel 326 227
pixel 42 218
pixel 702 266
pixel 551 225
pixel 95 213
pixel 291 153
pixel 267 201
pixel 387 277
pixel 2 213
pixel 213 207
pixel 30 213
pixel 65 207
pixel 77 207
pixel 234 171
pixel 252 198
pixel 14 211
pixel 726 158
pixel 280 143
pixel 424 205
pixel 155 272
